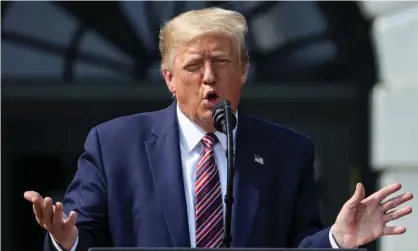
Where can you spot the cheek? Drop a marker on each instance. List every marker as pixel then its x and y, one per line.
pixel 189 87
pixel 232 82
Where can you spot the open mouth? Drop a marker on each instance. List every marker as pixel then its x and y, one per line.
pixel 211 98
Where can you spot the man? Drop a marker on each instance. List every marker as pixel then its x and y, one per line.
pixel 157 179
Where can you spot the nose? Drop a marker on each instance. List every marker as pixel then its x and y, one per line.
pixel 209 76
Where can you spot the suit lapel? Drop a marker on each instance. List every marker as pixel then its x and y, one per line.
pixel 248 177
pixel 166 168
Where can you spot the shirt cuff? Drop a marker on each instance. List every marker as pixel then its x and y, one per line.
pixel 332 240
pixel 58 246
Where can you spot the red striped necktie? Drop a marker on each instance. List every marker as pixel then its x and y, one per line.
pixel 209 207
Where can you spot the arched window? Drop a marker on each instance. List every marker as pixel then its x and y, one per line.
pixel 287 41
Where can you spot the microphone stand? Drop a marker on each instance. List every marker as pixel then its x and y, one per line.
pixel 229 199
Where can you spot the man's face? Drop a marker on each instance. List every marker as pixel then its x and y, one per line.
pixel 204 72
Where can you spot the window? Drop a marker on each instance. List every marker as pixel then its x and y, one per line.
pixel 287 41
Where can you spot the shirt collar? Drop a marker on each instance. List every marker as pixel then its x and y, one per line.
pixel 191 134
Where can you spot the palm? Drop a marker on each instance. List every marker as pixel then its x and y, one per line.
pixel 53 219
pixel 364 224
pixel 362 220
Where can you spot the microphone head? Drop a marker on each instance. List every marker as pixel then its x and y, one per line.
pixel 219 116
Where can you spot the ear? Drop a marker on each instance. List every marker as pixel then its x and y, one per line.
pixel 169 80
pixel 244 73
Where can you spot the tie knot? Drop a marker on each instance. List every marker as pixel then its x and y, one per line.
pixel 210 140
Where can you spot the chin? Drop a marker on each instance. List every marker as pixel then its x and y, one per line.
pixel 206 115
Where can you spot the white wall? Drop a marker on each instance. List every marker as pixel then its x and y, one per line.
pixel 394 107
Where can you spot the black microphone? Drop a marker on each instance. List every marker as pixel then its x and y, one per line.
pixel 220 112
pixel 225 121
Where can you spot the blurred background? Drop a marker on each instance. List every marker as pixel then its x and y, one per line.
pixel 344 73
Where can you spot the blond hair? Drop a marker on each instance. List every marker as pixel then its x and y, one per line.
pixel 193 24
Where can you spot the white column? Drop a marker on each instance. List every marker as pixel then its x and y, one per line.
pixel 394 108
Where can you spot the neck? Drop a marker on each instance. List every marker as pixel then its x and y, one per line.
pixel 208 127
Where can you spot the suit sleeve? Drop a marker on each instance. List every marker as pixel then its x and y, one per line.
pixel 87 196
pixel 307 230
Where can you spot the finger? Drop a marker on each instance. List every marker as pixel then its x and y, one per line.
pixel 38 206
pixel 58 220
pixel 48 213
pixel 37 217
pixel 358 196
pixel 397 214
pixel 386 191
pixel 393 230
pixel 70 222
pixel 29 195
pixel 396 201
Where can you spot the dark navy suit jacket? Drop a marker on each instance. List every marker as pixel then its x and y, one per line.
pixel 128 190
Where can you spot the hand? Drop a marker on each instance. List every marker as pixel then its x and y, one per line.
pixel 53 219
pixel 362 220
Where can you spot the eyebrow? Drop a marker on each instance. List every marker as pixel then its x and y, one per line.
pixel 216 54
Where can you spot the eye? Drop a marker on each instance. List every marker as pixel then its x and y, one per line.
pixel 192 67
pixel 221 60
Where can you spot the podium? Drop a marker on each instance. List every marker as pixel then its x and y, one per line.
pixel 226 249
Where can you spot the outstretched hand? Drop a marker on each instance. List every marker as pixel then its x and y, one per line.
pixel 362 220
pixel 53 219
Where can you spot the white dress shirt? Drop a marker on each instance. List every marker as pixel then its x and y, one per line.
pixel 191 148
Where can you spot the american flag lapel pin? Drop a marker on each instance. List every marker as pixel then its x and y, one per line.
pixel 258 159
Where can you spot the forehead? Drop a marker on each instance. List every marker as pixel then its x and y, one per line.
pixel 207 46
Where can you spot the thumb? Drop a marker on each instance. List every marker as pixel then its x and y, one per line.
pixel 358 196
